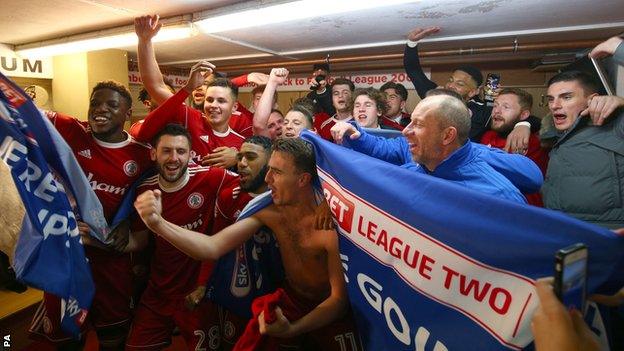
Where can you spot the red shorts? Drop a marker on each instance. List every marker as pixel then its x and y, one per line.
pixel 111 303
pixel 231 327
pixel 340 335
pixel 153 324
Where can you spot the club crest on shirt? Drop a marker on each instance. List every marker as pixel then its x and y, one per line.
pixel 130 168
pixel 195 200
pixel 204 138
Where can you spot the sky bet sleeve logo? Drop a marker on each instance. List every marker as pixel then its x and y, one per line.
pixel 501 302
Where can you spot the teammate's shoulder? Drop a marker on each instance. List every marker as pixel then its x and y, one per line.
pixel 140 144
pixel 149 181
pixel 197 169
pixel 327 122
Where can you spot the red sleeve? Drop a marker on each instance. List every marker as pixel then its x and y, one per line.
pixel 135 128
pixel 242 122
pixel 537 153
pixel 68 126
pixel 172 110
pixel 319 118
pixel 240 80
pixel 228 181
pixel 204 272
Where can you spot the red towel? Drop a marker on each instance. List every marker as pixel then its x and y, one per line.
pixel 251 338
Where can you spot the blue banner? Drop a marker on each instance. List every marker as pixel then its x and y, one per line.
pixel 250 271
pixel 49 254
pixel 431 265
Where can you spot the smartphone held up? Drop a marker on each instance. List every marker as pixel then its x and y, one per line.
pixel 571 276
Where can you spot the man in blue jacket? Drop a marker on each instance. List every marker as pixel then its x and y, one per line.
pixel 436 143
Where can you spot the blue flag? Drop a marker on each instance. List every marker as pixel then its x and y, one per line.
pixel 250 271
pixel 431 265
pixel 49 254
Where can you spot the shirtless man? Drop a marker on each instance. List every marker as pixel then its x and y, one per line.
pixel 310 257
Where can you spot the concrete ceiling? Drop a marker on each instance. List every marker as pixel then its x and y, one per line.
pixel 465 23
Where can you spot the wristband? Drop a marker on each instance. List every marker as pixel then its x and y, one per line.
pixel 412 44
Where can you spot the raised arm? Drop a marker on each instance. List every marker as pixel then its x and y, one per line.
pixel 173 109
pixel 394 150
pixel 197 245
pixel 411 62
pixel 265 105
pixel 146 27
pixel 610 47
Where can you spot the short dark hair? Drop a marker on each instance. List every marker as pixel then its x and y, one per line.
pixel 277 111
pixel 323 66
pixel 260 140
pixel 173 129
pixel 225 83
pixel 116 86
pixel 589 83
pixel 524 98
pixel 301 151
pixel 375 95
pixel 343 81
pixel 398 87
pixel 443 91
pixel 473 72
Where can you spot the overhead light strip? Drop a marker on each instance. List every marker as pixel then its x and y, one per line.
pixel 458 38
pixel 288 12
pixel 116 38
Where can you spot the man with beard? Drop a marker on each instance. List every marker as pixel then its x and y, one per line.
pixel 112 160
pixel 252 167
pixel 214 141
pixel 466 81
pixel 189 195
pixel 314 279
pixel 511 106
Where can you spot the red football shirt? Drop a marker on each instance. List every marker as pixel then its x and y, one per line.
pixel 230 203
pixel 190 205
pixel 535 152
pixel 203 138
pixel 323 125
pixel 110 167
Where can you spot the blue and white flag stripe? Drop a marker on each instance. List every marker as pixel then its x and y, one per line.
pixel 432 265
pixel 49 254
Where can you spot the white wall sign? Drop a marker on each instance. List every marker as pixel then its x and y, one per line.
pixel 178 81
pixel 14 65
pixel 361 80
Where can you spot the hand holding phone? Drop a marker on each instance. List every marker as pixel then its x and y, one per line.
pixel 571 276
